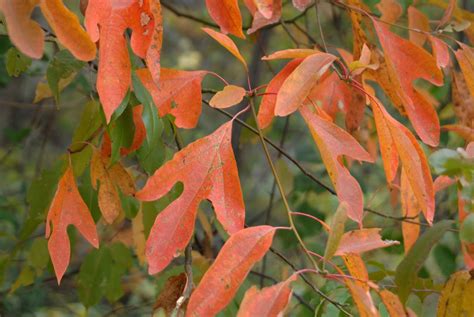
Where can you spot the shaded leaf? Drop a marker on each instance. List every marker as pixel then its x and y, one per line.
pixel 170 294
pixel 337 230
pixel 407 270
pixel 16 62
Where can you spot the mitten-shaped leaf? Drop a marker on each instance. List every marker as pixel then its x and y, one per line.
pixel 107 21
pixel 226 274
pixel 67 208
pixel 333 142
pixel 208 170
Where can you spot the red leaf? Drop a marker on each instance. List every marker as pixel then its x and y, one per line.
pixel 226 274
pixel 208 170
pixel 363 240
pixel 406 63
pixel 267 106
pixel 107 21
pixel 297 86
pixel 67 208
pixel 227 15
pixel 440 51
pixel 332 143
pixel 397 141
pixel 178 86
pixel 268 302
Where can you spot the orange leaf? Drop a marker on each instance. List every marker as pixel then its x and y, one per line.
pixel 407 62
pixel 393 304
pixel 291 53
pixel 267 106
pixel 333 94
pixel 107 21
pixel 465 57
pixel 448 13
pixel 227 42
pixel 208 170
pixel 410 209
pixel 178 86
pixel 67 28
pixel 391 10
pixel 463 131
pixel 267 302
pixel 259 20
pixel 440 51
pixel 228 97
pixel 67 208
pixel 417 20
pixel 227 15
pixel 363 240
pixel 301 4
pixel 297 86
pixel 222 280
pixel 265 7
pixel 25 33
pixel 332 143
pixel 110 179
pixel 396 140
pixel 463 101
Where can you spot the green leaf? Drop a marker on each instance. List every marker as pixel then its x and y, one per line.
pixel 407 270
pixel 121 133
pixel 38 257
pixel 26 277
pixel 467 229
pixel 337 230
pixel 16 62
pixel 62 66
pixel 39 196
pixel 148 152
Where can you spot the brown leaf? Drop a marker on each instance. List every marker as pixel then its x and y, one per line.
pixel 172 291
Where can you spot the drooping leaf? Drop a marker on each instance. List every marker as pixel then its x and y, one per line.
pixel 268 302
pixel 108 180
pixel 396 141
pixel 68 30
pixel 170 294
pixel 407 62
pixel 410 209
pixel 465 57
pixel 392 303
pixel 407 270
pixel 457 297
pixel 227 15
pixel 178 86
pixel 463 101
pixel 448 13
pixel 228 97
pixel 25 33
pixel 222 280
pixel 440 51
pixel 208 170
pixel 107 21
pixel 291 53
pixel 333 142
pixel 227 43
pixel 61 67
pixel 337 230
pixel 363 240
pixel 67 208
